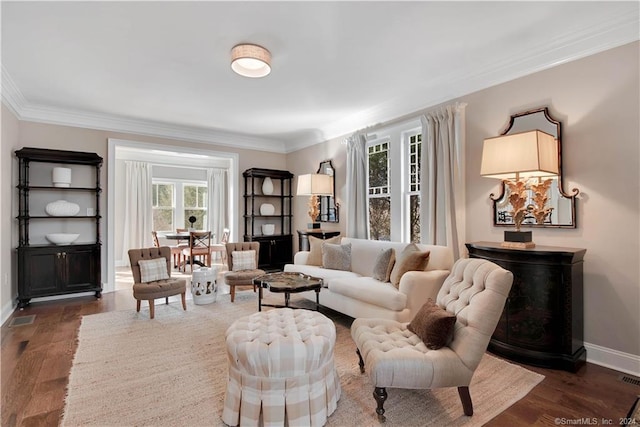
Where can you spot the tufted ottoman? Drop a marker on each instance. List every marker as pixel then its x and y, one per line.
pixel 281 369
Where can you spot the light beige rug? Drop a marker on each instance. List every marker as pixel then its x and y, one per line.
pixel 171 371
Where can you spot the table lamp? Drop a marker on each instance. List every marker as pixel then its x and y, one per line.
pixel 516 159
pixel 314 185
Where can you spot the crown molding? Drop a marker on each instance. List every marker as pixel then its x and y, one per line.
pixel 613 31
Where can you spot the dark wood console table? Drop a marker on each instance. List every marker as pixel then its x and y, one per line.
pixel 303 237
pixel 542 322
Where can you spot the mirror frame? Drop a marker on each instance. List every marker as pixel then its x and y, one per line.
pixel 571 196
pixel 328 205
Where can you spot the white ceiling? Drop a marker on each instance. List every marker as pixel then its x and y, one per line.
pixel 162 68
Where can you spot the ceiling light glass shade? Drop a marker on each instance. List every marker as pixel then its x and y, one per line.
pixel 250 60
pixel 521 155
pixel 314 184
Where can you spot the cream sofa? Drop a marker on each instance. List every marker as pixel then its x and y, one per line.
pixel 357 294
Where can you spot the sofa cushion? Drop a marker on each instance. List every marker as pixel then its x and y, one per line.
pixel 336 257
pixel 433 324
pixel 370 290
pixel 315 249
pixel 410 259
pixel 383 264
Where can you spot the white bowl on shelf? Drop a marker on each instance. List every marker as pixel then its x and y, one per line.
pixel 268 229
pixel 62 238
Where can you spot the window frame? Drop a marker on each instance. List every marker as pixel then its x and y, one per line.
pixel 178 199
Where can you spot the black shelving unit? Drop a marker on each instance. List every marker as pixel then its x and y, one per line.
pixel 46 269
pixel 276 249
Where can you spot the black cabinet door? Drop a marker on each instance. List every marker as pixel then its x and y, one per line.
pixel 39 271
pixel 79 265
pixel 275 252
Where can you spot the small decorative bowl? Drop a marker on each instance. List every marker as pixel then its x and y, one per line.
pixel 62 238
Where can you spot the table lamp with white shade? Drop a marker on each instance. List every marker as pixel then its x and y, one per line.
pixel 314 185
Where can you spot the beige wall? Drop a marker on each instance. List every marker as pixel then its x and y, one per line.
pixel 307 161
pixel 8 224
pixel 597 100
pixel 29 134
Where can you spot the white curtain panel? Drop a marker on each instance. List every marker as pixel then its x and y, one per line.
pixel 442 189
pixel 357 187
pixel 217 201
pixel 138 214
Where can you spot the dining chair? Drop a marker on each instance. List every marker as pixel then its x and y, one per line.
pixel 222 246
pixel 154 235
pixel 199 246
pixel 176 249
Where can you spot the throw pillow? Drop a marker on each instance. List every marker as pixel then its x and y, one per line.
pixel 336 257
pixel 433 324
pixel 243 260
pixel 153 269
pixel 410 259
pixel 383 265
pixel 315 249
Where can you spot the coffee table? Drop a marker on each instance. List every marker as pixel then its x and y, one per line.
pixel 287 283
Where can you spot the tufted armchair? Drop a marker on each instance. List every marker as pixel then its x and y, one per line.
pixel 152 290
pixel 241 276
pixel 475 291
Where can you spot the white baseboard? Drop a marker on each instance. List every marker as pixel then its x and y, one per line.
pixel 7 310
pixel 613 359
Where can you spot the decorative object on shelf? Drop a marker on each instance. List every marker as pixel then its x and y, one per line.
pixel 314 185
pixel 268 229
pixel 267 209
pixel 61 177
pixel 250 60
pixel 204 285
pixel 62 208
pixel 555 208
pixel 516 159
pixel 62 238
pixel 267 186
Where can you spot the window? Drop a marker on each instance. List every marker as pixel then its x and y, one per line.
pixel 163 207
pixel 195 204
pixel 414 153
pixel 174 202
pixel 393 183
pixel 378 192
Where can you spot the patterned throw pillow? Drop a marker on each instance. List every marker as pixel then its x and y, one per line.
pixel 384 264
pixel 153 269
pixel 410 259
pixel 243 260
pixel 315 249
pixel 433 324
pixel 336 257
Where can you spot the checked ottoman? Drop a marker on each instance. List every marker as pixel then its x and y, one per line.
pixel 281 369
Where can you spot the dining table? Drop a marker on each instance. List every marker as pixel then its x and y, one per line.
pixel 183 235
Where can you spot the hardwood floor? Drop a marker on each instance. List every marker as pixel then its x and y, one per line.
pixel 37 358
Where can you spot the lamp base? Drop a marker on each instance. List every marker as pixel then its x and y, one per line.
pixel 518 240
pixel 313 225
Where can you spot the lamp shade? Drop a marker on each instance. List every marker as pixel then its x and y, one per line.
pixel 250 60
pixel 315 184
pixel 526 155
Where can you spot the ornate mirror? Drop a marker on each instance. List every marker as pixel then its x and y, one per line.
pixel 328 205
pixel 563 213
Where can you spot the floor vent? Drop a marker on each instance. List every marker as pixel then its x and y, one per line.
pixel 629 379
pixel 22 320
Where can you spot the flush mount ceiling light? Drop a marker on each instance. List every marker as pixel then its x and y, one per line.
pixel 250 60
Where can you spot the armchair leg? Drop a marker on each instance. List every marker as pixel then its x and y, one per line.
pixel 465 397
pixel 138 305
pixel 360 362
pixel 380 394
pixel 184 301
pixel 152 308
pixel 233 292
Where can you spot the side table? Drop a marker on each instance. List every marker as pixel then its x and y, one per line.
pixel 303 237
pixel 542 321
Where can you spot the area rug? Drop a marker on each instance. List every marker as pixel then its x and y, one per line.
pixel 129 370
